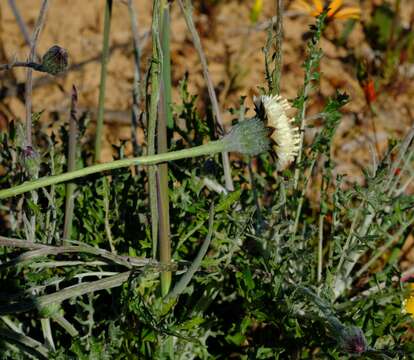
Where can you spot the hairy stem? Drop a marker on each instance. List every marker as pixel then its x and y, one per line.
pixel 104 63
pixel 210 148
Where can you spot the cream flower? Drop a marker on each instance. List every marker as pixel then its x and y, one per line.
pixel 284 135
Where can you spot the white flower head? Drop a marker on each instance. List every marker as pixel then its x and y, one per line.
pixel 284 135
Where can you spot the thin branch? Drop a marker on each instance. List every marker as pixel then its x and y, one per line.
pixel 72 149
pixel 28 88
pixel 73 291
pixel 277 73
pixel 186 10
pixel 104 64
pixel 155 75
pixel 20 22
pixel 136 90
pixel 45 250
pixel 195 265
pixel 30 345
pixel 26 64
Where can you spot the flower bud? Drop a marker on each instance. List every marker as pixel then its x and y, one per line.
pixel 55 60
pixel 31 161
pixel 248 137
pixel 352 340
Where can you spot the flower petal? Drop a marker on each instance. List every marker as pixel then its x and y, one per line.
pixel 318 4
pixel 334 6
pixel 351 12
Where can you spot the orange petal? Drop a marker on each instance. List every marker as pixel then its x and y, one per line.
pixel 348 13
pixel 333 6
pixel 318 4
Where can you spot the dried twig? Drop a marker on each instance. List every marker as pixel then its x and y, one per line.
pixel 20 22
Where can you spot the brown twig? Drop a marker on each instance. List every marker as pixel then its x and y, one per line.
pixel 20 22
pixel 27 64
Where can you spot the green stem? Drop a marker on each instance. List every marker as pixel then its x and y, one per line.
pixel 277 73
pixel 72 147
pixel 210 148
pixel 164 120
pixel 65 294
pixel 104 63
pixel 152 121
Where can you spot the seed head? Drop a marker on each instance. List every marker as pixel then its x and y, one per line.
pixel 284 135
pixel 352 340
pixel 248 137
pixel 55 60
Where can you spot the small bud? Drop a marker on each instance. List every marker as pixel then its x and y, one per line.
pixel 248 137
pixel 31 161
pixel 55 60
pixel 352 340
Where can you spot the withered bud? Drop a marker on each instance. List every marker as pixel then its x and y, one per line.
pixel 55 60
pixel 353 340
pixel 31 161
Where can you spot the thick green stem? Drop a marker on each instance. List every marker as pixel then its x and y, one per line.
pixel 164 120
pixel 104 63
pixel 152 121
pixel 210 148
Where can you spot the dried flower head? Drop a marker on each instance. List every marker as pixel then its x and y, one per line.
pixel 353 341
pixel 55 60
pixel 336 9
pixel 284 135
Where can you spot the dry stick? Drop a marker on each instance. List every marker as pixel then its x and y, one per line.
pixel 20 22
pixel 28 87
pixel 186 10
pixel 70 187
pixel 104 63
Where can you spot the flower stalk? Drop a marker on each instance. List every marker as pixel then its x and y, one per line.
pixel 249 137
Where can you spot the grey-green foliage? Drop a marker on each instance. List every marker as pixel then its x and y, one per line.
pixel 245 300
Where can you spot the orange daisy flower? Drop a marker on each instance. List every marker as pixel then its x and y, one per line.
pixel 336 9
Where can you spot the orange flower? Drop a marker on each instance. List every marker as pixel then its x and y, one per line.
pixel 336 9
